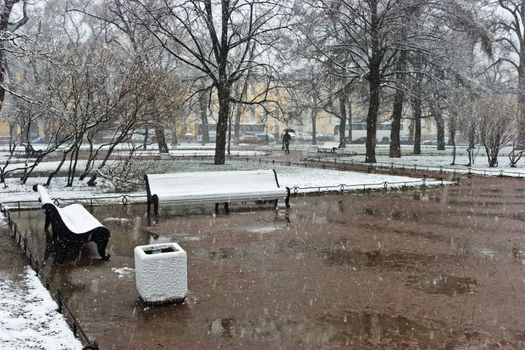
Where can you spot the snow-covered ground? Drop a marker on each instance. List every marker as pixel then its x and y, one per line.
pixel 299 179
pixel 442 162
pixel 29 318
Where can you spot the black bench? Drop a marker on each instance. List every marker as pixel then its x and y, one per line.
pixel 72 225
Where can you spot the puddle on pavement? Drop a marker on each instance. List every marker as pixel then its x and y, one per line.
pixel 378 258
pixel 442 284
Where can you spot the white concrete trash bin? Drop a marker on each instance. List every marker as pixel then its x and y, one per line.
pixel 161 273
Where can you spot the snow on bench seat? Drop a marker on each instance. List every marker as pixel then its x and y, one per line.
pixel 329 146
pixel 214 187
pixel 73 224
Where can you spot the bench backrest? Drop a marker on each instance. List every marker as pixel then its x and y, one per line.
pixel 211 181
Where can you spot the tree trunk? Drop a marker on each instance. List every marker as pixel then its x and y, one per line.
pixel 203 115
pixel 440 123
pixel 342 124
pixel 223 92
pixel 520 143
pixel 146 136
pixel 161 140
pixel 399 97
pixel 416 103
pixel 53 173
pixel 374 80
pixel 4 23
pixel 416 106
pixel 313 118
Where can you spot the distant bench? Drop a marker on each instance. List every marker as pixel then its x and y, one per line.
pixel 72 225
pixel 329 146
pixel 214 187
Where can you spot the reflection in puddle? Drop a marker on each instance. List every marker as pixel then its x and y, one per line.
pixel 123 271
pixel 262 229
pixel 486 252
pixel 349 329
pixel 376 258
pixel 225 327
pixel 442 284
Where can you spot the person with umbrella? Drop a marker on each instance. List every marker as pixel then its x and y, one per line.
pixel 286 140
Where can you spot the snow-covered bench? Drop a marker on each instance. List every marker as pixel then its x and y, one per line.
pixel 329 146
pixel 214 187
pixel 72 225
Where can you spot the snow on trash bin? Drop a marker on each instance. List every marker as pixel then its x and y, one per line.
pixel 161 273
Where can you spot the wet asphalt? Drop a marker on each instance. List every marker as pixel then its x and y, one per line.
pixel 439 268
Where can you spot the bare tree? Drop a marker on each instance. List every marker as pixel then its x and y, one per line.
pixel 7 30
pixel 510 26
pixel 207 35
pixel 497 124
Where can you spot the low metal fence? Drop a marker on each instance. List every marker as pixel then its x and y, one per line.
pixel 57 295
pixel 91 201
pixel 384 186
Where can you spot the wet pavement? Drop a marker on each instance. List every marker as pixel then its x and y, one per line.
pixel 435 269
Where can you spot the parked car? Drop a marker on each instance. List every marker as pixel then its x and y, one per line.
pixel 250 139
pixel 324 137
pixel 304 137
pixel 264 136
pixel 433 141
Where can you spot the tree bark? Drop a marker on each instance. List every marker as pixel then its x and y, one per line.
pixel 416 103
pixel 223 92
pixel 161 140
pixel 342 124
pixel 203 115
pixel 374 80
pixel 397 112
pixel 313 118
pixel 440 124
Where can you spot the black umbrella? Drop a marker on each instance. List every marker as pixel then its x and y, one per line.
pixel 289 130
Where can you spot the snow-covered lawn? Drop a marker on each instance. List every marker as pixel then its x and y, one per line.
pixel 442 162
pixel 300 179
pixel 29 318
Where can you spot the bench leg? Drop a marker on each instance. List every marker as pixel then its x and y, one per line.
pixel 101 239
pixel 276 203
pixel 61 250
pixel 287 200
pixel 156 210
pixel 216 208
pixel 226 207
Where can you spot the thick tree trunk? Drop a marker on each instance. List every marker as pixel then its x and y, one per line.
pixel 374 80
pixel 397 113
pixel 440 124
pixel 223 92
pixel 5 13
pixel 416 103
pixel 399 97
